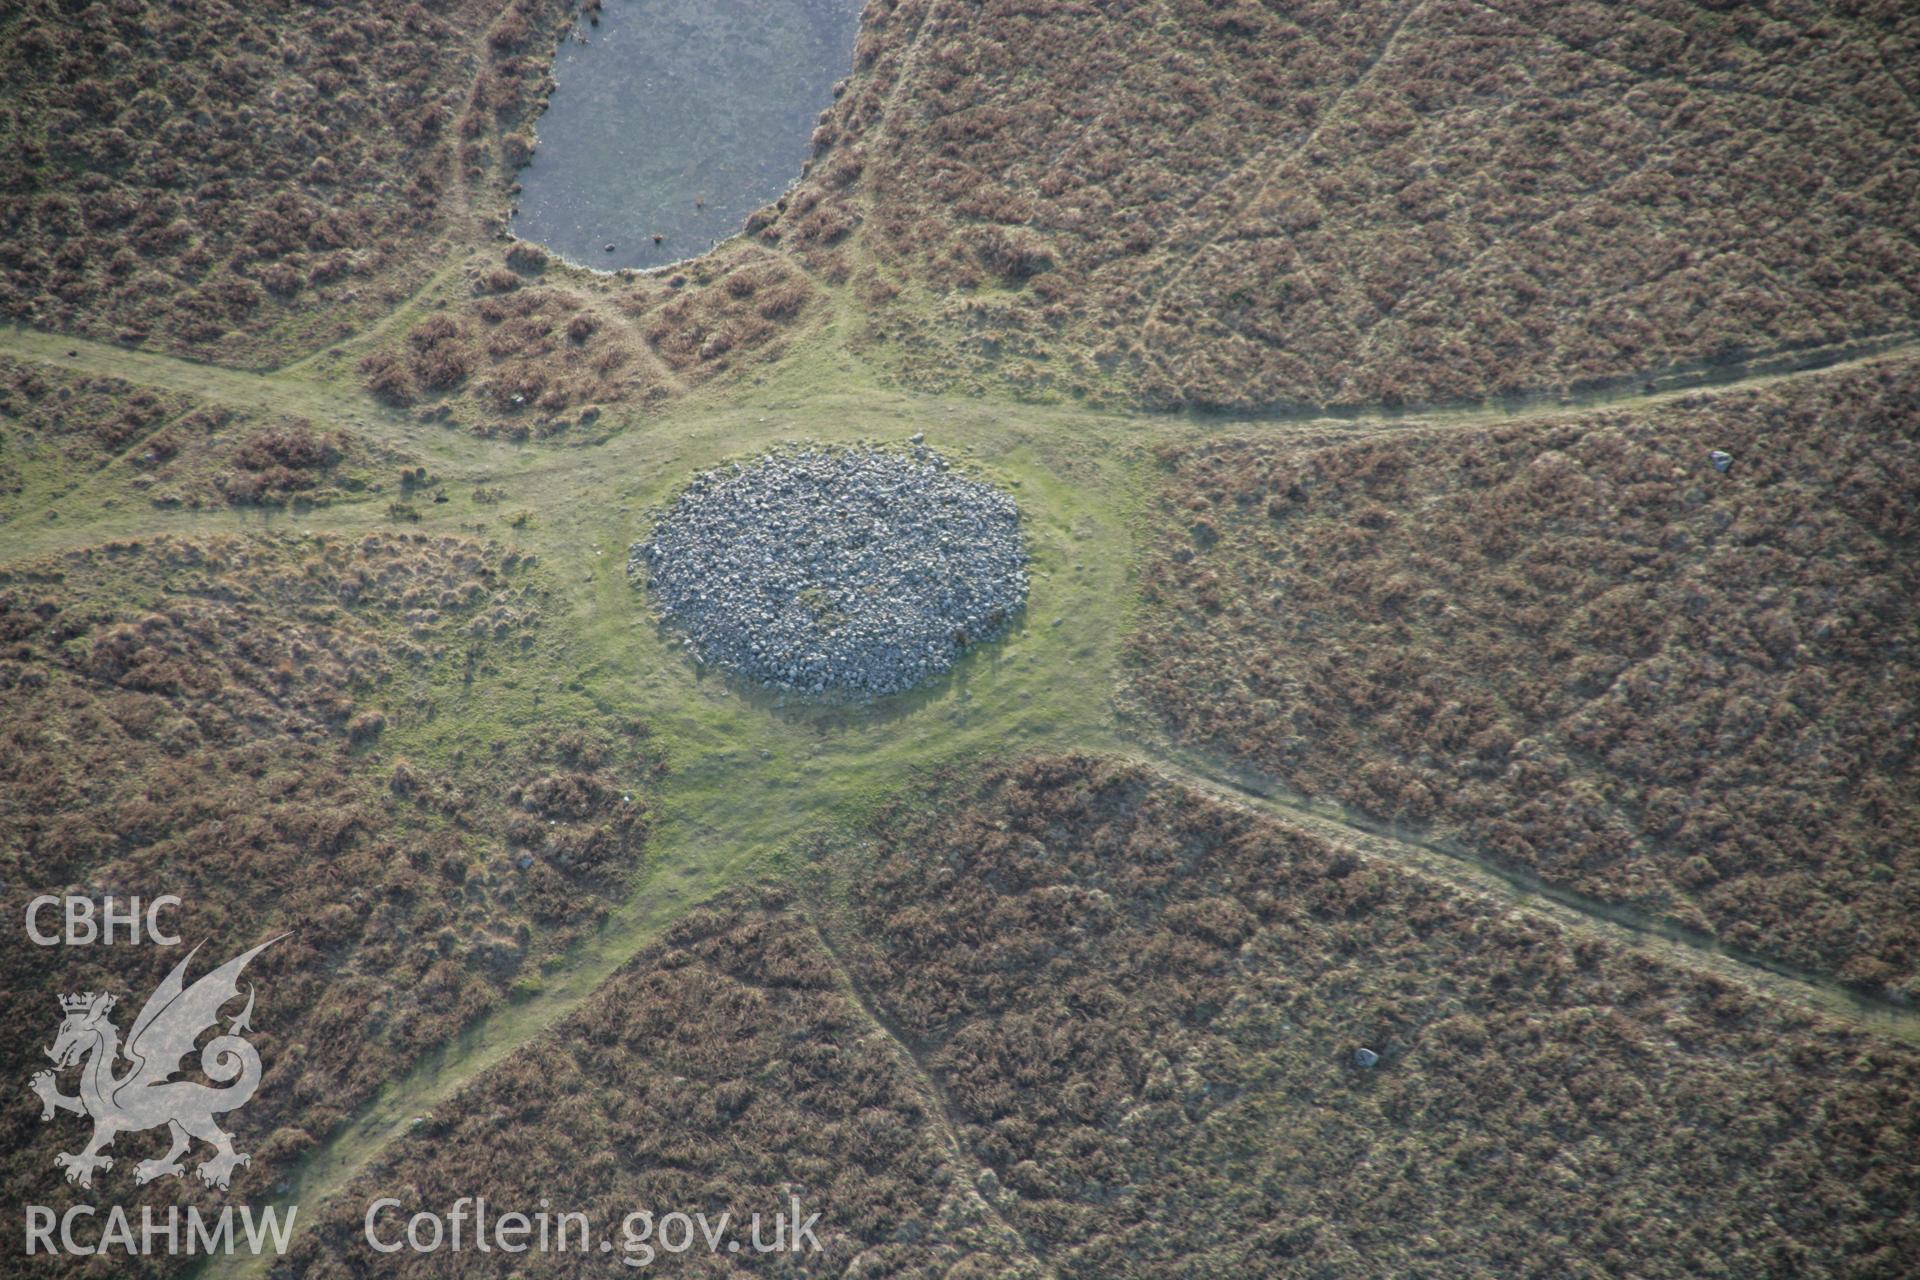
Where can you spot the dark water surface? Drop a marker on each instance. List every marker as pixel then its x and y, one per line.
pixel 678 118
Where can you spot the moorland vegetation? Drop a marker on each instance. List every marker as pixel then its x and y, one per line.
pixel 1143 1008
pixel 1580 647
pixel 210 718
pixel 1065 1017
pixel 1249 206
pixel 238 182
pixel 725 1071
pixel 527 348
pixel 63 432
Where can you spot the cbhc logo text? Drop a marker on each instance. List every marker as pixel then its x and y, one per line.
pixel 105 922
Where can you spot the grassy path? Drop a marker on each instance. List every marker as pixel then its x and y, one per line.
pixel 933 1098
pixel 754 777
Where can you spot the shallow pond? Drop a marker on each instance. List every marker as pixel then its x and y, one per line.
pixel 677 119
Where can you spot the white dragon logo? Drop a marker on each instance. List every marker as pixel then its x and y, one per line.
pixel 146 1097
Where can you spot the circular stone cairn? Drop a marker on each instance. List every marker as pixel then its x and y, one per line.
pixel 854 572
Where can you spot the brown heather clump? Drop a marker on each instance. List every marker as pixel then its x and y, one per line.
pixel 513 360
pixel 1578 648
pixel 214 719
pixel 732 310
pixel 1313 202
pixel 521 357
pixel 277 463
pixel 65 431
pixel 61 430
